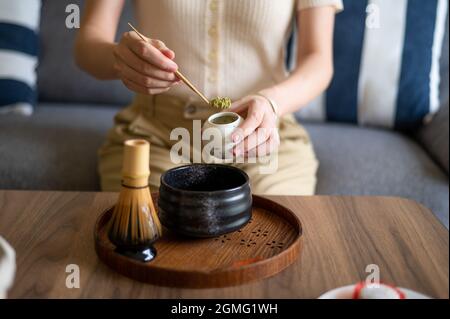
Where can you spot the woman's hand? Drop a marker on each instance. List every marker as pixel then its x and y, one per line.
pixel 146 68
pixel 258 134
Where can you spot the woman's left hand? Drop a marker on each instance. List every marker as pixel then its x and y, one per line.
pixel 258 134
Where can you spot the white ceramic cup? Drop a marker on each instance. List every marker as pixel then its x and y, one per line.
pixel 225 145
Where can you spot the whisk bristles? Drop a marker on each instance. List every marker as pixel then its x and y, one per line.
pixel 134 222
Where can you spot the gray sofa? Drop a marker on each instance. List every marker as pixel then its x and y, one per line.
pixel 55 149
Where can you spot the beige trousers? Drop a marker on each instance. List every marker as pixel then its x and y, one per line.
pixel 154 117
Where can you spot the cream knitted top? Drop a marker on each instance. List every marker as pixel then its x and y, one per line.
pixel 225 47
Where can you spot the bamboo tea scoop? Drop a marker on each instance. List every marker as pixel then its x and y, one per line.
pixel 134 223
pixel 178 73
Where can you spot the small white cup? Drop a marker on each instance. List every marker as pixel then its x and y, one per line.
pixel 225 131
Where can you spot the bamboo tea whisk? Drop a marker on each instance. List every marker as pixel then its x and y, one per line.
pixel 135 224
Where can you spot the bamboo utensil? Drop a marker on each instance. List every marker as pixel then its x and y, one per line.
pixel 178 73
pixel 135 224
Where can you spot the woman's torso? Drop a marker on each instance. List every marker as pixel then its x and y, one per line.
pixel 227 48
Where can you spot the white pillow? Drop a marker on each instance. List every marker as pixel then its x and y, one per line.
pixel 387 64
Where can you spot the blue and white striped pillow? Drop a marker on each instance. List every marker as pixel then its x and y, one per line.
pixel 19 23
pixel 387 75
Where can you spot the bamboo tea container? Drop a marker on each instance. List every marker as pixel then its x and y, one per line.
pixel 135 225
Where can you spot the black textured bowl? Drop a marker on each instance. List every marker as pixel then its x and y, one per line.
pixel 204 200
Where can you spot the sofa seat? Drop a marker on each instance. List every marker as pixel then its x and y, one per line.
pixel 56 149
pixel 365 161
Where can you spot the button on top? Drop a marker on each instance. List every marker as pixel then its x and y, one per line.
pixel 212 31
pixel 212 57
pixel 213 6
pixel 212 54
pixel 213 65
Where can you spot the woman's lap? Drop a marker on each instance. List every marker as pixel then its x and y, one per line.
pixel 293 171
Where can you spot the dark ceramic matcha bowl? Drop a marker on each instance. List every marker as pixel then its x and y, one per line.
pixel 204 200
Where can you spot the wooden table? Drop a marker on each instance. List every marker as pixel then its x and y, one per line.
pixel 342 235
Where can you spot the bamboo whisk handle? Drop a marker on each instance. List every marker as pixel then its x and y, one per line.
pixel 136 163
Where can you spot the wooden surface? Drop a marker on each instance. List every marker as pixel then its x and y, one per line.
pixel 269 243
pixel 342 235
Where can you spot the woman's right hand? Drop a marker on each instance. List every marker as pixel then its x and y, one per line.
pixel 145 67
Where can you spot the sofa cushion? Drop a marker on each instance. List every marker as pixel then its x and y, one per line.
pixel 434 137
pixel 387 57
pixel 363 161
pixel 445 68
pixel 59 79
pixel 54 149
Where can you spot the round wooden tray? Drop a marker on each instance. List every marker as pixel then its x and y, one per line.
pixel 269 243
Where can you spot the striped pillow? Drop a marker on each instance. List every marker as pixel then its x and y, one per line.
pixel 19 23
pixel 386 70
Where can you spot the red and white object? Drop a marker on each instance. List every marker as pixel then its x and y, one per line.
pixel 376 291
pixel 361 291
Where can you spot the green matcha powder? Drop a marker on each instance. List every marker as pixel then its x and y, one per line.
pixel 221 102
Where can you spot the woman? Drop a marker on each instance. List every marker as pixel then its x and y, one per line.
pixel 228 48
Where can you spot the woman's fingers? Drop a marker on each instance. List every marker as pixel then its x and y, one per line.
pixel 258 134
pixel 161 46
pixel 149 53
pixel 259 137
pixel 142 80
pixel 142 67
pixel 132 60
pixel 253 120
pixel 270 146
pixel 141 89
pixel 259 144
